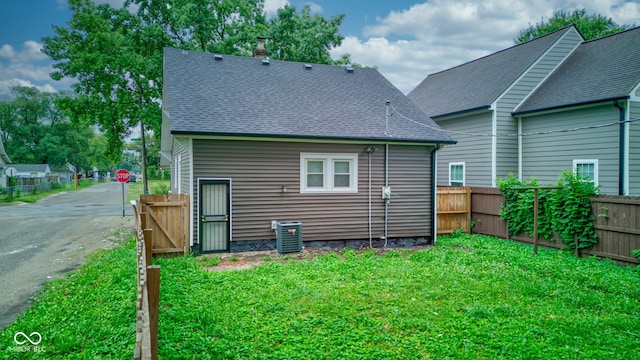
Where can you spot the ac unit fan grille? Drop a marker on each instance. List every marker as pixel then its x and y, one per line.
pixel 289 237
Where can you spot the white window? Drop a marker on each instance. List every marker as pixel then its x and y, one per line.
pixel 587 169
pixel 456 174
pixel 328 173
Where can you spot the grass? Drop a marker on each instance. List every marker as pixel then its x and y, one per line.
pixel 469 297
pixel 155 187
pixel 35 196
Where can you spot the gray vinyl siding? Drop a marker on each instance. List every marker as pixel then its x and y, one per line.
pixel 544 156
pixel 634 150
pixel 507 146
pixel 179 149
pixel 259 169
pixel 474 151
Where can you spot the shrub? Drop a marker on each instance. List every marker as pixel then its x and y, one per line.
pixel 565 212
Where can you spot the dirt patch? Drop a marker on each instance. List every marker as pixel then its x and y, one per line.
pixel 251 259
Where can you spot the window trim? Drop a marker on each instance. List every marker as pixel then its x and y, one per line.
pixel 593 162
pixel 464 170
pixel 328 160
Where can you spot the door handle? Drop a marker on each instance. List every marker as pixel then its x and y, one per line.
pixel 226 218
pixel 203 219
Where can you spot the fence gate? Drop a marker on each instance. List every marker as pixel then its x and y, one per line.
pixel 454 209
pixel 214 215
pixel 166 215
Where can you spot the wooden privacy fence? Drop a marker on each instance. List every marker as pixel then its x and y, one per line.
pixel 453 209
pixel 148 292
pixel 166 215
pixel 617 221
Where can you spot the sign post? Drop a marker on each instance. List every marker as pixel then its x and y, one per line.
pixel 123 176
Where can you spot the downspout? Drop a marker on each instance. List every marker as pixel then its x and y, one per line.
pixel 386 185
pixel 386 171
pixel 370 237
pixel 621 157
pixel 434 189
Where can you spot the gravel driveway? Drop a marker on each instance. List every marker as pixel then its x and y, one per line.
pixel 43 241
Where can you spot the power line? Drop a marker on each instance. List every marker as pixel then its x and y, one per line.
pixel 395 111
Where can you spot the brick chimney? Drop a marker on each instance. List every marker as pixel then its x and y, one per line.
pixel 260 52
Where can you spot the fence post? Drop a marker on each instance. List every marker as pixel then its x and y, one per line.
pixel 148 245
pixel 468 209
pixel 153 291
pixel 535 221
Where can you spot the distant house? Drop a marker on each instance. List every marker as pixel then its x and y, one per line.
pixel 29 170
pixel 4 161
pixel 65 173
pixel 257 141
pixel 556 102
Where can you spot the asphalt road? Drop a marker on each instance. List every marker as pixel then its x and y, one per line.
pixel 43 241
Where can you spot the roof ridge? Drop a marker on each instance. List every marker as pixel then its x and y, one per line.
pixel 504 50
pixel 611 35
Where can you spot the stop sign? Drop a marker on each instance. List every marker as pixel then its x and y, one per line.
pixel 122 175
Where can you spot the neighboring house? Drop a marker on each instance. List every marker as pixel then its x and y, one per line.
pixel 65 174
pixel 29 170
pixel 537 108
pixel 255 141
pixel 4 161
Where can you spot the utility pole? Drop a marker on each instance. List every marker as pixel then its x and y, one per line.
pixel 144 159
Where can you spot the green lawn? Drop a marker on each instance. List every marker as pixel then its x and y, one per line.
pixel 35 196
pixel 155 187
pixel 469 297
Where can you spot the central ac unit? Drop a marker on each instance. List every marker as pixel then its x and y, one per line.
pixel 289 237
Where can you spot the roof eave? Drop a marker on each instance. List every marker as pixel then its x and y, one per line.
pixel 318 138
pixel 462 112
pixel 554 108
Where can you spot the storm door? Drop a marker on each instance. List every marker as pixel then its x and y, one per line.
pixel 214 215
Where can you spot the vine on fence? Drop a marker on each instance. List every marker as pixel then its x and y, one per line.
pixel 565 212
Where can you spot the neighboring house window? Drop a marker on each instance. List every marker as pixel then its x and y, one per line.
pixel 586 169
pixel 328 173
pixel 456 174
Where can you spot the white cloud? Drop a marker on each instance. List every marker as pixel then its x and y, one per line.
pixel 7 52
pixel 409 44
pixel 271 6
pixel 315 8
pixel 27 66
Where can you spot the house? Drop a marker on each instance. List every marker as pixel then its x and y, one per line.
pixel 556 102
pixel 257 141
pixel 65 173
pixel 4 161
pixel 36 171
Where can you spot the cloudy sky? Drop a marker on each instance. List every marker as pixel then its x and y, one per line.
pixel 405 39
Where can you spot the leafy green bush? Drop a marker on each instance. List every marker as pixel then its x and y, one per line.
pixel 160 188
pixel 564 212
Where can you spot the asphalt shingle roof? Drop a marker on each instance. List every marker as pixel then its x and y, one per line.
pixel 30 167
pixel 241 96
pixel 602 69
pixel 478 83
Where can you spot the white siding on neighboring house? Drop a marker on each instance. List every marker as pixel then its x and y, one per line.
pixel 474 151
pixel 634 149
pixel 180 167
pixel 507 146
pixel 545 156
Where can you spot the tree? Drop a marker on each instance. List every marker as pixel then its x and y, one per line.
pixel 303 37
pixel 590 26
pixel 116 55
pixel 116 62
pixel 35 131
